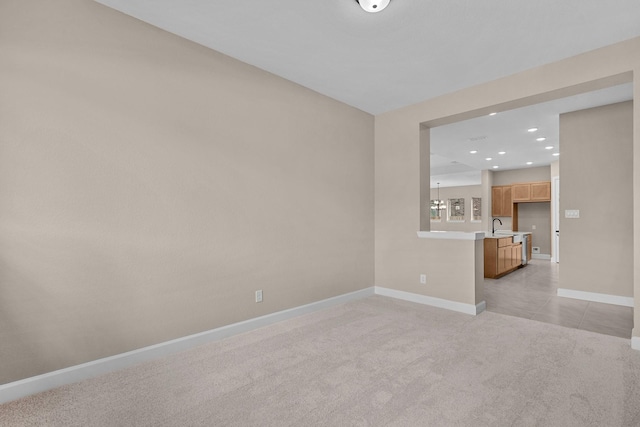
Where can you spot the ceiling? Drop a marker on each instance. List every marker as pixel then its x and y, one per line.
pixel 412 51
pixel 453 164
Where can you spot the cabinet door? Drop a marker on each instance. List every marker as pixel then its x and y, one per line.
pixel 507 203
pixel 516 255
pixel 501 203
pixel 504 259
pixel 513 256
pixel 541 191
pixel 521 192
pixel 490 257
pixel 496 201
pixel 505 241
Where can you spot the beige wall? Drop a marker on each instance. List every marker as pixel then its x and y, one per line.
pixel 397 153
pixel 148 187
pixel 536 215
pixel 508 177
pixel 596 170
pixel 467 193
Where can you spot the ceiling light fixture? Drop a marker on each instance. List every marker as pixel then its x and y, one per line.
pixel 556 154
pixel 473 151
pixel 502 152
pixel 488 158
pixel 529 163
pixel 542 138
pixel 532 129
pixel 373 5
pixel 496 167
pixel 550 147
pixel 492 114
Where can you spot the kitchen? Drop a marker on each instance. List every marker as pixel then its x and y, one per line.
pixel 469 158
pixel 525 219
pixel 470 167
pixel 527 205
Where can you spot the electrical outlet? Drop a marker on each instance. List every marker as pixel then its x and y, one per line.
pixel 423 279
pixel 259 296
pixel 533 227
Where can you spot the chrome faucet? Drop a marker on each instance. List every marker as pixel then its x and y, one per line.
pixel 493 225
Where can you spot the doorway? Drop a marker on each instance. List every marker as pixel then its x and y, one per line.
pixel 555 201
pixel 543 304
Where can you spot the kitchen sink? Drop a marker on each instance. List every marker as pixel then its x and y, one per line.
pixel 517 237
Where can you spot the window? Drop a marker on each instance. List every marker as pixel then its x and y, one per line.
pixel 476 206
pixel 456 210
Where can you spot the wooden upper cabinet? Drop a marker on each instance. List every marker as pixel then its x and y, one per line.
pixel 507 201
pixel 496 201
pixel 541 191
pixel 521 192
pixel 501 204
pixel 532 192
pixel 504 198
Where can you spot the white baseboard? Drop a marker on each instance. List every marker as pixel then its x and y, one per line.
pixel 596 297
pixel 482 306
pixel 432 301
pixel 541 256
pixel 635 343
pixel 39 383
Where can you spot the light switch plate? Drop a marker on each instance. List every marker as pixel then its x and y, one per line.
pixel 572 213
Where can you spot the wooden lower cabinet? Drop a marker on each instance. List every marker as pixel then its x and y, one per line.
pixel 516 255
pixel 504 260
pixel 501 256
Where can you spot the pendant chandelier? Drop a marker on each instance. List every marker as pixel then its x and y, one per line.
pixel 438 204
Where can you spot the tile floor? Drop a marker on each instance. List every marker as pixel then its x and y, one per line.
pixel 530 292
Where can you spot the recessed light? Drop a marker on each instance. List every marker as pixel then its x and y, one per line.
pixel 532 129
pixel 502 152
pixel 477 138
pixel 496 167
pixel 556 154
pixel 492 114
pixel 542 138
pixel 488 158
pixel 549 147
pixel 529 163
pixel 473 151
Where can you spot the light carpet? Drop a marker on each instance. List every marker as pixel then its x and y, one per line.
pixel 372 362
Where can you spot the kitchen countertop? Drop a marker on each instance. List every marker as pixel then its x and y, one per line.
pixel 451 235
pixel 505 233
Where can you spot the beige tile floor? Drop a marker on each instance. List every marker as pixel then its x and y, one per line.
pixel 530 292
